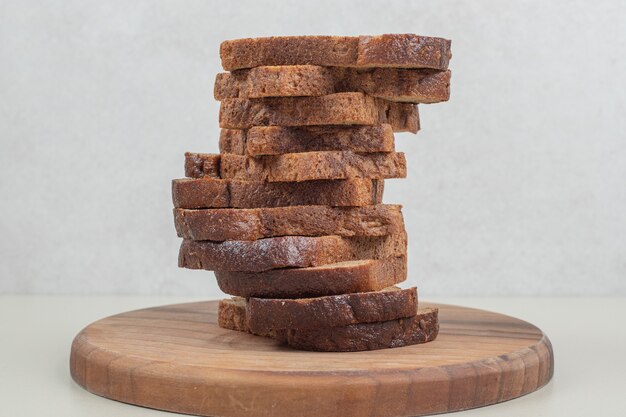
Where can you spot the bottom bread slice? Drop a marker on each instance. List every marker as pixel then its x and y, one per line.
pixel 421 328
pixel 338 278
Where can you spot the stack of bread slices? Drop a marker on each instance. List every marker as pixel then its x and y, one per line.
pixel 289 215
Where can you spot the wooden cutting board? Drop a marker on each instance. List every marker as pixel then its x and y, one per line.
pixel 176 358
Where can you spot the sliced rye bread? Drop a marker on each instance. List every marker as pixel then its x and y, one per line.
pixel 308 166
pixel 286 252
pixel 219 193
pixel 296 167
pixel 332 109
pixel 231 314
pixel 390 50
pixel 277 140
pixel 405 85
pixel 202 165
pixel 331 279
pixel 421 328
pixel 265 315
pixel 252 224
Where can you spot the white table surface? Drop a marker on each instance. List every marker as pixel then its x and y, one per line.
pixel 588 336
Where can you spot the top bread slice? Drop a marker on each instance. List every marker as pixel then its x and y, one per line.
pixel 390 50
pixel 278 140
pixel 266 314
pixel 393 84
pixel 331 109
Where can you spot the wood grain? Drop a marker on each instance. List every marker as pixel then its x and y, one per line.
pixel 176 358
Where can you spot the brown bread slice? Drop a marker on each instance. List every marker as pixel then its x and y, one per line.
pixel 276 140
pixel 331 279
pixel 410 86
pixel 220 193
pixel 286 252
pixel 421 328
pixel 403 117
pixel 202 165
pixel 393 50
pixel 265 315
pixel 276 81
pixel 407 85
pixel 403 51
pixel 332 109
pixel 296 167
pixel 258 223
pixel 308 166
pixel 234 140
pixel 231 314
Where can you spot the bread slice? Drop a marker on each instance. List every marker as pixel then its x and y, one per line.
pixel 296 167
pixel 258 223
pixel 332 109
pixel 231 314
pixel 421 328
pixel 265 315
pixel 277 140
pixel 393 50
pixel 308 166
pixel 202 165
pixel 331 279
pixel 406 85
pixel 286 251
pixel 220 193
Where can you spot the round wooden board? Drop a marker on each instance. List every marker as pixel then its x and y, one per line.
pixel 176 358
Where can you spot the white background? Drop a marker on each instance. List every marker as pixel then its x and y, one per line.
pixel 517 186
